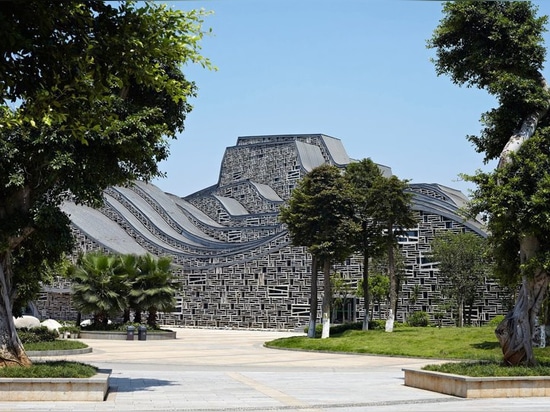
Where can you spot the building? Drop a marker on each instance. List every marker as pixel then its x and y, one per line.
pixel 233 257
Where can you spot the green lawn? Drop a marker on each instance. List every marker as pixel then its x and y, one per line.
pixel 58 344
pixel 469 343
pixel 53 369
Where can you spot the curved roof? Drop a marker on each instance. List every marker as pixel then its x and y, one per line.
pixel 233 207
pixel 310 155
pixel 444 201
pixel 101 229
pixel 266 192
pixel 188 229
pixel 336 150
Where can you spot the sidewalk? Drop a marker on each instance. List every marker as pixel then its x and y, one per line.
pixel 230 370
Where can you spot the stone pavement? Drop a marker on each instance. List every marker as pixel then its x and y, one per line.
pixel 230 370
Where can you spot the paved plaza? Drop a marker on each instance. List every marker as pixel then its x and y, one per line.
pixel 231 370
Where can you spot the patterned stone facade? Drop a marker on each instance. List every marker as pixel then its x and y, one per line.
pixel 233 257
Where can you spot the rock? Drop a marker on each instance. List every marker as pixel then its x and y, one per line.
pixel 26 321
pixel 51 324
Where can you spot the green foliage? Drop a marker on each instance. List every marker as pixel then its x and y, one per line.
pixel 378 324
pixel 497 46
pixel 418 319
pixel 488 369
pixel 152 287
pixel 100 286
pixel 336 330
pixel 53 369
pixel 36 335
pixel 363 177
pixel 515 200
pixel 379 287
pixel 119 327
pixel 90 95
pixel 341 328
pixel 463 264
pixel 106 285
pixel 318 214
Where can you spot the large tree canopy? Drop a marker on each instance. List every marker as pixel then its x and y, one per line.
pixel 90 94
pixel 498 46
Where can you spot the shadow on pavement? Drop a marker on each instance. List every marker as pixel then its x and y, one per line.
pixel 137 384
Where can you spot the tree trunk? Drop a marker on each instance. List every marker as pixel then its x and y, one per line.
pixel 393 287
pixel 366 289
pixel 152 317
pixel 12 352
pixel 126 316
pixel 137 315
pixel 313 302
pixel 515 333
pixel 327 299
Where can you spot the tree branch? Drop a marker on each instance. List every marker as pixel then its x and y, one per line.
pixel 525 132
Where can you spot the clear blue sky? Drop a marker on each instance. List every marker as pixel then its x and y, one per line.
pixel 357 70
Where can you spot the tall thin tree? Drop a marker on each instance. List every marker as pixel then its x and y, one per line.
pixel 362 177
pixel 393 211
pixel 319 217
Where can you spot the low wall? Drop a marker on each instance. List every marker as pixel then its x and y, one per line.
pixel 61 352
pixel 478 387
pixel 56 389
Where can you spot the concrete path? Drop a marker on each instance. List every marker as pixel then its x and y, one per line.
pixel 230 370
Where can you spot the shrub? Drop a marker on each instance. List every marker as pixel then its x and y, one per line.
pixel 120 327
pixel 36 335
pixel 73 330
pixel 378 324
pixel 419 318
pixel 341 328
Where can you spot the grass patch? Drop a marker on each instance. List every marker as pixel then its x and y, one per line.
pixel 55 345
pixel 489 369
pixel 56 369
pixel 470 343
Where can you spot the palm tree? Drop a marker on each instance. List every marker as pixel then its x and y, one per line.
pixel 152 287
pixel 129 267
pixel 99 286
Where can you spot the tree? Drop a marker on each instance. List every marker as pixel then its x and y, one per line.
pixel 498 46
pixel 462 263
pixel 379 289
pixel 152 287
pixel 362 177
pixel 318 217
pixel 394 214
pixel 90 94
pixel 100 286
